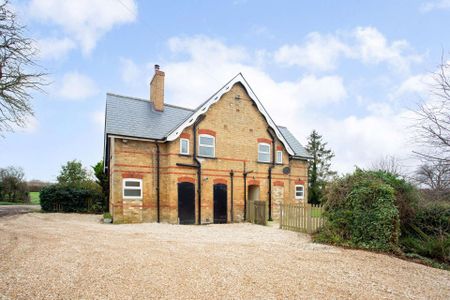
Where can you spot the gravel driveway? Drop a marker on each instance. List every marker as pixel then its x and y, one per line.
pixel 8 210
pixel 74 256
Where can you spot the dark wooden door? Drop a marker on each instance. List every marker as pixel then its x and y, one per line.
pixel 186 203
pixel 220 203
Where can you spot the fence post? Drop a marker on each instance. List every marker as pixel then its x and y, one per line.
pixel 308 218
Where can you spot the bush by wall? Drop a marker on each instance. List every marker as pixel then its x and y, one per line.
pixel 361 212
pixel 70 199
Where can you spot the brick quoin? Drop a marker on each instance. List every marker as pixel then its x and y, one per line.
pixel 186 179
pixel 220 181
pixel 264 140
pixel 207 131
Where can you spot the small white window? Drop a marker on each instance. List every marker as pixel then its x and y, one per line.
pixel 184 146
pixel 279 157
pixel 299 192
pixel 206 145
pixel 132 188
pixel 263 152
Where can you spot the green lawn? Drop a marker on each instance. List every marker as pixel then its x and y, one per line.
pixel 34 197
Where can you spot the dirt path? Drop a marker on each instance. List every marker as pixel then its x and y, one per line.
pixel 57 256
pixel 9 210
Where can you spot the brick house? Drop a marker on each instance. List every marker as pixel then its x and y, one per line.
pixel 193 166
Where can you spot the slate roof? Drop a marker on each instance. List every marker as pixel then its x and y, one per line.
pixel 299 150
pixel 135 117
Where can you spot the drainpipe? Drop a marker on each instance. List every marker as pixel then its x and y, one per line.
pixel 158 183
pixel 245 191
pixel 232 209
pixel 270 172
pixel 199 169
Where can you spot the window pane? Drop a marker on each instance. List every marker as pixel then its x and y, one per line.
pixel 132 193
pixel 184 146
pixel 263 148
pixel 264 157
pixel 279 156
pixel 133 183
pixel 206 140
pixel 206 151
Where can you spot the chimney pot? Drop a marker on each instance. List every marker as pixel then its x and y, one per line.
pixel 156 67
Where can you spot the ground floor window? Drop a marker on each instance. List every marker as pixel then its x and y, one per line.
pixel 299 191
pixel 132 188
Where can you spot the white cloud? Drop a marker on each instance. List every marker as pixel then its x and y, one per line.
pixel 85 21
pixel 131 73
pixel 435 5
pixel 31 124
pixel 366 44
pixel 76 86
pixel 53 48
pixel 317 53
pixel 98 118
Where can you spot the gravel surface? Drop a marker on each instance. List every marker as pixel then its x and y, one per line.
pixel 55 256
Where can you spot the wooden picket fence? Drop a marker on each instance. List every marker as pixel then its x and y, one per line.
pixel 301 217
pixel 257 212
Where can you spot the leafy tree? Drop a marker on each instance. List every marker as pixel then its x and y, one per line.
pixel 19 73
pixel 102 180
pixel 73 174
pixel 319 167
pixel 13 188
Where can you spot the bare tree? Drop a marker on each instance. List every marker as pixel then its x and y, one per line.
pixel 19 73
pixel 433 126
pixel 388 164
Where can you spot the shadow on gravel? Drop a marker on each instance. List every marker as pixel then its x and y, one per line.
pixel 10 210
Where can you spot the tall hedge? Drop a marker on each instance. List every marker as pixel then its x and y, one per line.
pixel 361 212
pixel 70 199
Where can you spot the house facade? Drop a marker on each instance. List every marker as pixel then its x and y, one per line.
pixel 195 166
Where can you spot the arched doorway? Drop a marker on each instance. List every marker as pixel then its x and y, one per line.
pixel 220 203
pixel 186 203
pixel 253 193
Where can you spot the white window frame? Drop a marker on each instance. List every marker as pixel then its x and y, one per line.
pixel 280 160
pixel 266 144
pixel 124 187
pixel 303 192
pixel 181 146
pixel 213 146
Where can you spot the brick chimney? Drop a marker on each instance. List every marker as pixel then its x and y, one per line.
pixel 157 89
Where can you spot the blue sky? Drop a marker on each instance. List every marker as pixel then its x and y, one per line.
pixel 350 69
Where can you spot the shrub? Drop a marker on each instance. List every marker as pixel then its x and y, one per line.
pixel 70 199
pixel 361 212
pixel 428 234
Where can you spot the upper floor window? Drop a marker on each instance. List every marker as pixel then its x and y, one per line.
pixel 206 145
pixel 263 152
pixel 184 146
pixel 299 191
pixel 132 188
pixel 279 157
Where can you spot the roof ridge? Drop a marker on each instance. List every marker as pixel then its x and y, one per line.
pixel 147 100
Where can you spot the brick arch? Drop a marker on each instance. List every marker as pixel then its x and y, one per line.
pixel 253 182
pixel 278 183
pixel 299 182
pixel 220 181
pixel 279 148
pixel 185 135
pixel 132 175
pixel 207 131
pixel 186 179
pixel 264 140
